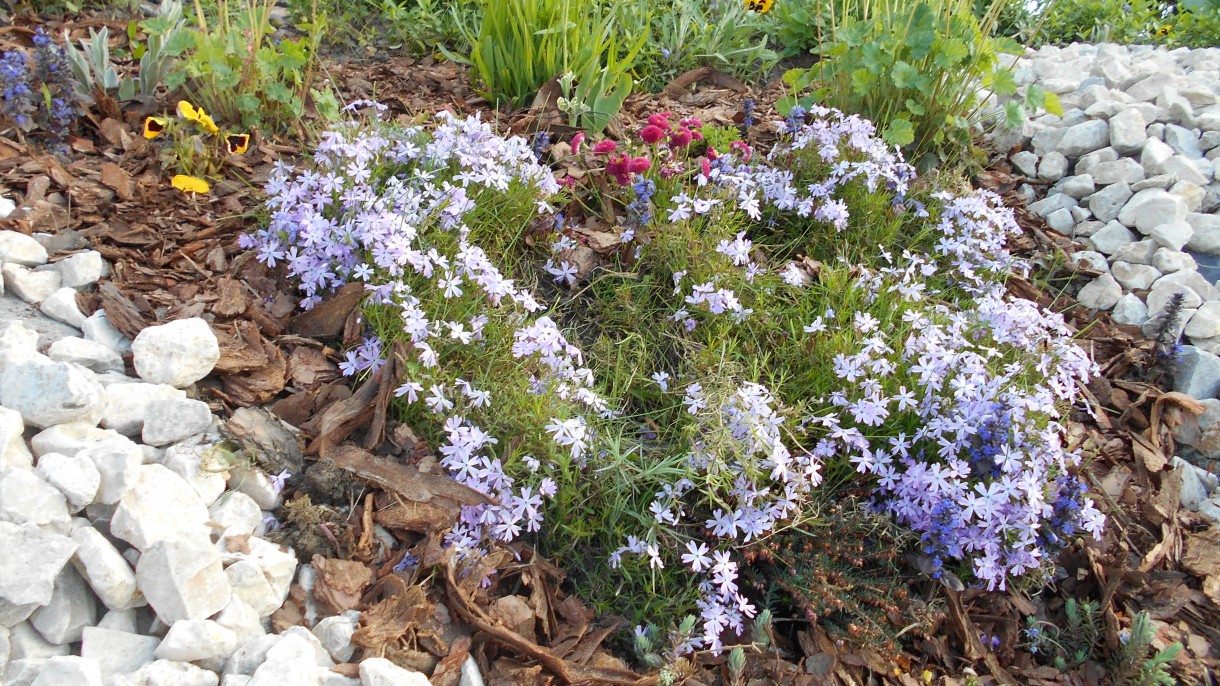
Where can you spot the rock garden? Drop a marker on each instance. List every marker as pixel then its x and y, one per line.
pixel 463 342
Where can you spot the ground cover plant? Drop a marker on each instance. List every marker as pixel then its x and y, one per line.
pixel 771 330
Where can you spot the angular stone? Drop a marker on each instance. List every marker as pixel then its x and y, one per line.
pixel 198 466
pixel 31 286
pixel 158 505
pixel 104 569
pixel 1085 164
pixel 18 248
pixel 128 404
pixel 175 419
pixel 30 560
pixel 26 643
pixel 1162 291
pixel 1158 181
pixel 1101 293
pixel 72 608
pixel 1169 261
pixel 1130 310
pixel 1026 162
pixel 1106 203
pixel 1153 156
pixel 97 327
pixel 335 633
pixel 1058 201
pixel 1087 228
pixel 25 497
pixel 1151 207
pixel 117 652
pixel 1193 281
pixel 1125 170
pixel 63 670
pixel 82 269
pixel 182 579
pixel 1061 221
pixel 61 305
pixel 1183 141
pixel 1127 131
pixel 178 353
pixel 118 461
pixel 1053 166
pixel 1111 238
pixel 14 453
pixel 76 478
pixel 1197 373
pixel 242 620
pixel 48 393
pixel 378 671
pixel 1077 186
pixel 1206 236
pixel 289 661
pixel 1206 321
pixel 1183 169
pixel 191 640
pixel 277 567
pixel 1172 235
pixel 1091 259
pixel 1192 196
pixel 236 514
pixel 92 356
pixel 1083 138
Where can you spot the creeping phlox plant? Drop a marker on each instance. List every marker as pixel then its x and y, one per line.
pixel 755 375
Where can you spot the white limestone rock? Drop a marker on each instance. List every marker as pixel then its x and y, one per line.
pixel 192 640
pixel 1125 170
pixel 178 353
pixel 118 460
pixel 197 466
pixel 276 566
pixel 1153 156
pixel 1185 169
pixel 1169 261
pixel 1106 203
pixel 97 327
pixel 1111 238
pixel 289 661
pixel 159 505
pixel 1084 138
pixel 14 453
pixel 117 652
pixel 31 286
pixel 175 419
pixel 1026 162
pixel 252 653
pixel 182 578
pixel 119 620
pixel 1206 321
pixel 172 673
pixel 1058 201
pixel 335 633
pixel 1052 167
pixel 235 514
pixel 65 670
pixel 82 269
pixel 128 404
pixel 26 643
pixel 88 354
pixel 61 305
pixel 1134 276
pixel 1173 235
pixel 1206 235
pixel 25 497
pixel 1150 208
pixel 104 569
pixel 1127 131
pixel 1130 310
pixel 378 671
pixel 30 560
pixel 18 248
pixel 254 483
pixel 72 608
pixel 242 620
pixel 1197 373
pixel 47 393
pixel 76 477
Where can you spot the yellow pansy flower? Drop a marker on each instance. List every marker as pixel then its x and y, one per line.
pixel 760 6
pixel 237 143
pixel 153 126
pixel 190 184
pixel 188 111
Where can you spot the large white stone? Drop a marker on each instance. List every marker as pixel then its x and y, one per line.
pixel 178 353
pixel 1026 162
pixel 1127 131
pixel 26 643
pixel 61 305
pixel 72 608
pixel 1153 155
pixel 65 670
pixel 235 514
pixel 30 560
pixel 1053 166
pixel 289 661
pixel 159 505
pixel 47 393
pixel 1084 137
pixel 1206 321
pixel 120 620
pixel 25 497
pixel 195 465
pixel 1206 236
pixel 190 640
pixel 117 652
pixel 378 671
pixel 1125 170
pixel 14 453
pixel 18 248
pixel 128 404
pixel 18 343
pixel 118 461
pixel 1172 235
pixel 1130 310
pixel 1197 373
pixel 335 633
pixel 277 566
pixel 182 578
pixel 82 269
pixel 104 569
pixel 69 439
pixel 1169 261
pixel 242 620
pixel 1111 238
pixel 1151 207
pixel 1091 259
pixel 172 673
pixel 256 484
pixel 1134 276
pixel 1106 203
pixel 88 354
pixel 1185 169
pixel 31 286
pixel 175 419
pixel 76 477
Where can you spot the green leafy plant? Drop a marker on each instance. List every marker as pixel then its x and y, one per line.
pixel 230 67
pixel 1133 667
pixel 1080 640
pixel 920 71
pixel 94 70
pixel 684 34
pixel 596 94
pixel 1097 21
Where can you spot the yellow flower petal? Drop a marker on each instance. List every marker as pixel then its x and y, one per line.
pixel 760 6
pixel 196 114
pixel 237 143
pixel 153 126
pixel 190 184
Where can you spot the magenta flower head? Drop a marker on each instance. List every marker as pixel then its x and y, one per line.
pixel 576 141
pixel 681 138
pixel 661 120
pixel 619 168
pixel 652 134
pixel 690 123
pixel 603 147
pixel 639 165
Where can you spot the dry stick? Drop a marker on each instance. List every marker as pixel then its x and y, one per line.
pixel 566 672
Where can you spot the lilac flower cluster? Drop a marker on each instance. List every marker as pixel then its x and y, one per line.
pixel 37 91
